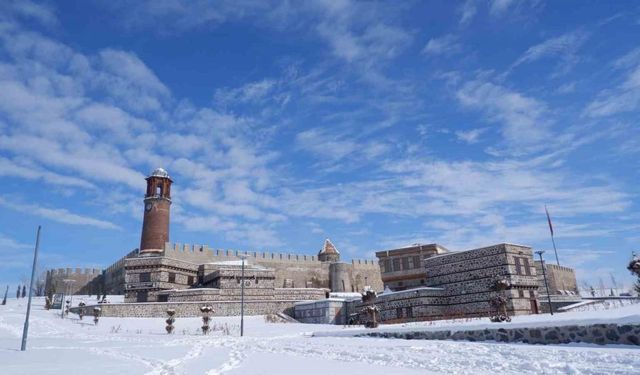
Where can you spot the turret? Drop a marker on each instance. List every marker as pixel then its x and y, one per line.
pixel 329 253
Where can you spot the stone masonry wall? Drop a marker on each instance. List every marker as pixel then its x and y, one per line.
pixel 601 334
pixel 188 309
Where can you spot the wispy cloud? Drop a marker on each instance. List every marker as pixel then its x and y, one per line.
pixel 470 136
pixel 626 96
pixel 60 215
pixel 467 11
pixel 564 46
pixel 444 45
pixel 524 120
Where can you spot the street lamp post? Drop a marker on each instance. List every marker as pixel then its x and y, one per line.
pixel 243 257
pixel 544 275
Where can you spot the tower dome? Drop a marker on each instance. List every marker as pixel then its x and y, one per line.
pixel 159 172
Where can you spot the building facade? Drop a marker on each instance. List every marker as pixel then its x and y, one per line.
pixel 402 268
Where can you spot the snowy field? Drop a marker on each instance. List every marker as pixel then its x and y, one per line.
pixel 141 346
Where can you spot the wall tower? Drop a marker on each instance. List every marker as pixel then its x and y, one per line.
pixel 157 201
pixel 328 253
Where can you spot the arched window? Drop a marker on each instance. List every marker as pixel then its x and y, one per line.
pixel 159 190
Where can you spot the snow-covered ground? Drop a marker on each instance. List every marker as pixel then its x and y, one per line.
pixel 141 346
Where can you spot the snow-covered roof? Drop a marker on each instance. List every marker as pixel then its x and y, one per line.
pixel 329 248
pixel 159 172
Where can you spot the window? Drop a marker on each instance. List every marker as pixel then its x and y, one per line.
pixel 145 277
pixel 527 270
pixel 163 298
pixel 399 312
pixel 387 265
pixel 532 294
pixel 141 297
pixel 190 280
pixel 518 267
pixel 159 190
pixel 396 264
pixel 405 263
pixel 416 262
pixel 520 293
pixel 409 312
pixel 172 277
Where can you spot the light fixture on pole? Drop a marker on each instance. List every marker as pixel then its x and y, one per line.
pixel 243 257
pixel 544 275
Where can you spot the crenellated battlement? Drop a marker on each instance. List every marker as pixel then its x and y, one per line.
pixel 74 271
pixel 204 253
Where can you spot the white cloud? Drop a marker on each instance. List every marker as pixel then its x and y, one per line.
pixel 499 7
pixel 467 11
pixel 31 172
pixel 60 215
pixel 623 98
pixel 42 13
pixel 444 45
pixel 524 119
pixel 565 46
pixel 470 136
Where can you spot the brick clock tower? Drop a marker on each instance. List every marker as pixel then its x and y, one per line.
pixel 157 201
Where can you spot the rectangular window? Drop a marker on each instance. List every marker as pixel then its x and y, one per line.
pixel 409 312
pixel 387 265
pixel 518 267
pixel 532 294
pixel 399 312
pixel 163 297
pixel 410 264
pixel 141 297
pixel 190 280
pixel 145 277
pixel 520 293
pixel 396 264
pixel 416 262
pixel 527 270
pixel 405 263
pixel 172 277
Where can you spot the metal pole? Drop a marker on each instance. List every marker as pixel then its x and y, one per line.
pixel 25 331
pixel 554 249
pixel 242 301
pixel 544 275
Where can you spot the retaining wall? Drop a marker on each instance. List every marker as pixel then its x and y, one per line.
pixel 601 334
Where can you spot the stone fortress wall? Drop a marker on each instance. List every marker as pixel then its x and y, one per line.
pixel 561 280
pixel 292 270
pixel 85 281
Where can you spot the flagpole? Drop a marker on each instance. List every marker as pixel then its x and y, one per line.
pixel 553 241
pixel 554 249
pixel 33 274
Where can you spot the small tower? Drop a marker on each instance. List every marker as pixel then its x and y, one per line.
pixel 157 201
pixel 329 253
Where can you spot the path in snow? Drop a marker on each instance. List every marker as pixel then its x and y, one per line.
pixel 141 346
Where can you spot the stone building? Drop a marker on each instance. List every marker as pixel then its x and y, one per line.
pixel 457 284
pixel 402 268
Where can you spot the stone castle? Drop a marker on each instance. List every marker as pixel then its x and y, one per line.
pixel 160 271
pixel 418 282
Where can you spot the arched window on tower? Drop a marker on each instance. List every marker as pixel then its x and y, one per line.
pixel 159 190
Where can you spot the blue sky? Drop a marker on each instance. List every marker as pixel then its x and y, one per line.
pixel 376 124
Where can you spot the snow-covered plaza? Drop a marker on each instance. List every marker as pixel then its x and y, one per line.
pixel 141 346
